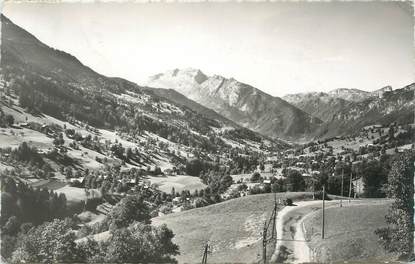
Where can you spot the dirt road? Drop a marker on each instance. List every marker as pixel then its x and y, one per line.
pixel 291 245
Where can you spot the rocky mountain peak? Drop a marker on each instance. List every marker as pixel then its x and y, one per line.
pixel 239 102
pixel 349 94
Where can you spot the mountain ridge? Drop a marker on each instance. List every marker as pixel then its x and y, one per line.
pixel 325 105
pixel 240 102
pixel 56 83
pixel 381 108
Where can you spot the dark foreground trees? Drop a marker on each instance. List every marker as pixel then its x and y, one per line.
pixel 128 210
pixel 132 239
pixel 139 243
pixel 54 242
pixel 51 242
pixel 374 176
pixel 398 235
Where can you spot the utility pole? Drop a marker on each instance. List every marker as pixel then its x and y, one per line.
pixel 205 254
pixel 357 183
pixel 264 244
pixel 274 215
pixel 322 226
pixel 86 200
pixel 341 192
pixel 350 186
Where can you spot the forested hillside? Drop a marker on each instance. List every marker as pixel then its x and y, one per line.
pixel 55 83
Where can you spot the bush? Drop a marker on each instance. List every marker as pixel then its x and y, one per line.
pixel 318 195
pixel 295 181
pixel 288 202
pixel 256 177
pixel 128 210
pixel 91 204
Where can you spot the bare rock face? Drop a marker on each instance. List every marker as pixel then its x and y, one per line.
pixel 241 103
pixel 348 110
pixel 349 94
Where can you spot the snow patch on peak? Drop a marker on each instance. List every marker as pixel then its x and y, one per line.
pixel 192 73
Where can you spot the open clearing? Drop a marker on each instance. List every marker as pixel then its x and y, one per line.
pixel 48 184
pixel 179 182
pixel 349 231
pixel 74 194
pixel 233 228
pixel 90 218
pixel 13 137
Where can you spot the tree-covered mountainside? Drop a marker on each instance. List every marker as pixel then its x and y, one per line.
pixel 55 83
pixel 345 111
pixel 391 106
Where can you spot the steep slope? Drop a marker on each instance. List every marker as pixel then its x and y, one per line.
pixel 180 99
pixel 326 105
pixel 393 106
pixel 240 103
pixel 320 105
pixel 349 94
pixel 55 83
pixel 19 47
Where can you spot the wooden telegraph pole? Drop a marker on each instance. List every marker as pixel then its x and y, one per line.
pixel 322 226
pixel 341 192
pixel 274 219
pixel 264 244
pixel 350 186
pixel 205 254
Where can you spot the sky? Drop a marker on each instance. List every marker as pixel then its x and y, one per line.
pixel 278 47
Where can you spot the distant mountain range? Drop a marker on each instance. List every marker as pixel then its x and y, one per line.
pixel 301 116
pixel 325 105
pixel 241 103
pixel 345 111
pixel 53 82
pixel 186 102
pixel 384 106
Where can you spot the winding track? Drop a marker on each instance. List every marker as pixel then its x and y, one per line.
pixel 291 245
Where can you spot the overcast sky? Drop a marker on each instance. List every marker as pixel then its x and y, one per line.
pixel 279 48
